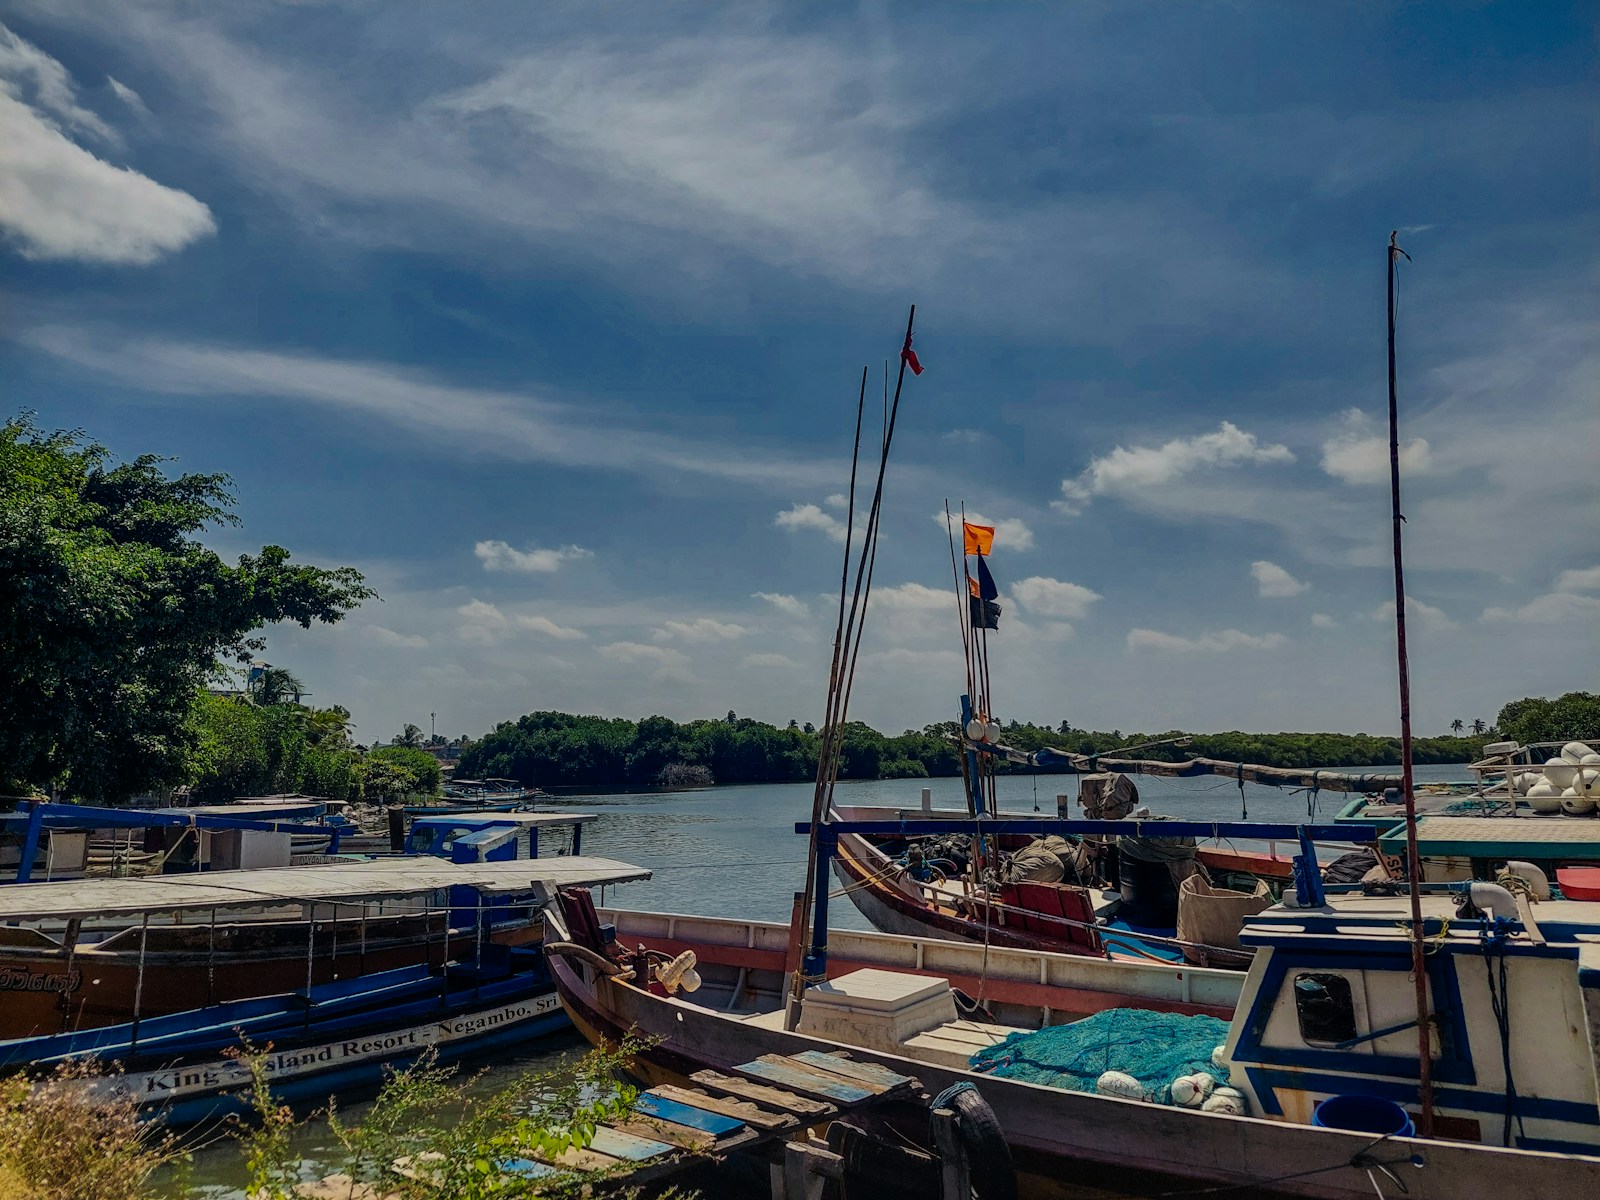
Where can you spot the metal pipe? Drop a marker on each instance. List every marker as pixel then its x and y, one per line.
pixel 138 985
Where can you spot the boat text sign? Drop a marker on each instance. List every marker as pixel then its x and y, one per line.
pixel 220 1075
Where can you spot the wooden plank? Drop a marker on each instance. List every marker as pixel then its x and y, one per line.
pixel 665 1108
pixel 822 1069
pixel 585 1160
pixel 743 1110
pixel 792 1078
pixel 618 1143
pixel 654 1129
pixel 801 1106
pixel 839 1064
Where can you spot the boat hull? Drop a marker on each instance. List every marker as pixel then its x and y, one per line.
pixel 1056 1135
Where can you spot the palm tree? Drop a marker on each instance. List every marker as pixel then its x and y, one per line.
pixel 1479 727
pixel 1457 726
pixel 328 725
pixel 277 685
pixel 411 735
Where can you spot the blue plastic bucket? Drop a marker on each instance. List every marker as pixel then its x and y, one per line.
pixel 1363 1114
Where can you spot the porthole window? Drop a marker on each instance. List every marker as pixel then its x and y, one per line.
pixel 1325 1007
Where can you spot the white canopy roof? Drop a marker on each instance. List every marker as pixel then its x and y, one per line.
pixel 331 882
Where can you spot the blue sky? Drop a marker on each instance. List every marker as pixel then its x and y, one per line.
pixel 550 318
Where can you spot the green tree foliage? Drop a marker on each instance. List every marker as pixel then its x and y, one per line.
pixel 245 749
pixel 111 614
pixel 395 772
pixel 1575 715
pixel 550 749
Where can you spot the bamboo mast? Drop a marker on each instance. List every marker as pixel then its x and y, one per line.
pixel 1419 962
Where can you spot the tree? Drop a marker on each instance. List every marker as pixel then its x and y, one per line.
pixel 411 735
pixel 276 685
pixel 1457 726
pixel 1572 717
pixel 1478 726
pixel 112 614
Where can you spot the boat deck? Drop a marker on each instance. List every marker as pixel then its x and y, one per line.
pixel 1502 837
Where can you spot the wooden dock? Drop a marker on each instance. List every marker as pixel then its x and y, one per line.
pixel 768 1106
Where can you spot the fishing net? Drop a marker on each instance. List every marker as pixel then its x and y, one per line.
pixel 1153 1047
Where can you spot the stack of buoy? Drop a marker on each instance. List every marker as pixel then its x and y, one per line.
pixel 1569 783
pixel 981 729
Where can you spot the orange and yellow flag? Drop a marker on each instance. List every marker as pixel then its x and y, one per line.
pixel 978 539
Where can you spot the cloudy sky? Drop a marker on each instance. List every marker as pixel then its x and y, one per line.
pixel 550 318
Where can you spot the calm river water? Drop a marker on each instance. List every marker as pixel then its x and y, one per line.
pixel 733 852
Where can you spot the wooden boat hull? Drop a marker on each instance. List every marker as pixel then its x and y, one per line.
pixel 1055 1135
pixel 45 989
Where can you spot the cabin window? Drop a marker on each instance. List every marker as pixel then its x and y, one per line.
pixel 1325 1007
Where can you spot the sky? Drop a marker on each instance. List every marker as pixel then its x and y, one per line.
pixel 551 320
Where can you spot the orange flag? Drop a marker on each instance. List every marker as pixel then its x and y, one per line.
pixel 978 539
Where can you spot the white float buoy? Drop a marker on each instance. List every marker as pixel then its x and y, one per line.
pixel 1575 804
pixel 1591 760
pixel 1119 1084
pixel 1226 1100
pixel 975 729
pixel 1560 772
pixel 1219 1057
pixel 991 733
pixel 1191 1091
pixel 1574 752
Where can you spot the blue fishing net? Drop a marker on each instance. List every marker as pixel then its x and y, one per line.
pixel 1154 1047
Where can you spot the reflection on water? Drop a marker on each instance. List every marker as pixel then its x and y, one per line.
pixel 733 852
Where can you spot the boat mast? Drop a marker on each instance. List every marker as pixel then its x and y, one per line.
pixel 1419 962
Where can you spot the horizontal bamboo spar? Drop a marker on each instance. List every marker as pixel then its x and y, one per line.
pixel 1329 781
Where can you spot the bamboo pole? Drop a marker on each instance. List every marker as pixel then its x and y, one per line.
pixel 1419 962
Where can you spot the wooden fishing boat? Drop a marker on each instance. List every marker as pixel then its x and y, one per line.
pixel 914 1014
pixel 470 990
pixel 80 954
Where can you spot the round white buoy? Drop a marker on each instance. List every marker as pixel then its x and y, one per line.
pixel 1575 805
pixel 1185 1092
pixel 1560 772
pixel 1219 1057
pixel 1544 799
pixel 991 733
pixel 975 729
pixel 1226 1100
pixel 1573 752
pixel 1521 782
pixel 1116 1083
pixel 1591 760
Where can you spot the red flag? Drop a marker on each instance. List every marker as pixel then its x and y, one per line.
pixel 909 357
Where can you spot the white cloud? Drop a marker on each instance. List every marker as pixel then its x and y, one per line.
pixel 388 637
pixel 668 664
pixel 27 73
pixel 768 661
pixel 913 599
pixel 60 201
pixel 809 516
pixel 1273 581
pixel 788 605
pixel 702 630
pixel 515 425
pixel 1009 533
pixel 485 622
pixel 837 500
pixel 1209 643
pixel 128 96
pixel 1553 608
pixel 501 556
pixel 1323 621
pixel 1585 579
pixel 544 625
pixel 1359 456
pixel 1425 615
pixel 57 200
pixel 1128 472
pixel 963 437
pixel 1053 597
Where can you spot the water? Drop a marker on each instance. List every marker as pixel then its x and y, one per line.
pixel 733 852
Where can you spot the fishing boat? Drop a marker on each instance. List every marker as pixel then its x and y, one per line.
pixel 489 791
pixel 354 1008
pixel 1309 1063
pixel 125 953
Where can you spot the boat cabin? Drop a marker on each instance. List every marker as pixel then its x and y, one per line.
pixel 1329 1009
pixel 501 837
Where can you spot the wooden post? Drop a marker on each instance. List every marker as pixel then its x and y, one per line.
pixel 956 1175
